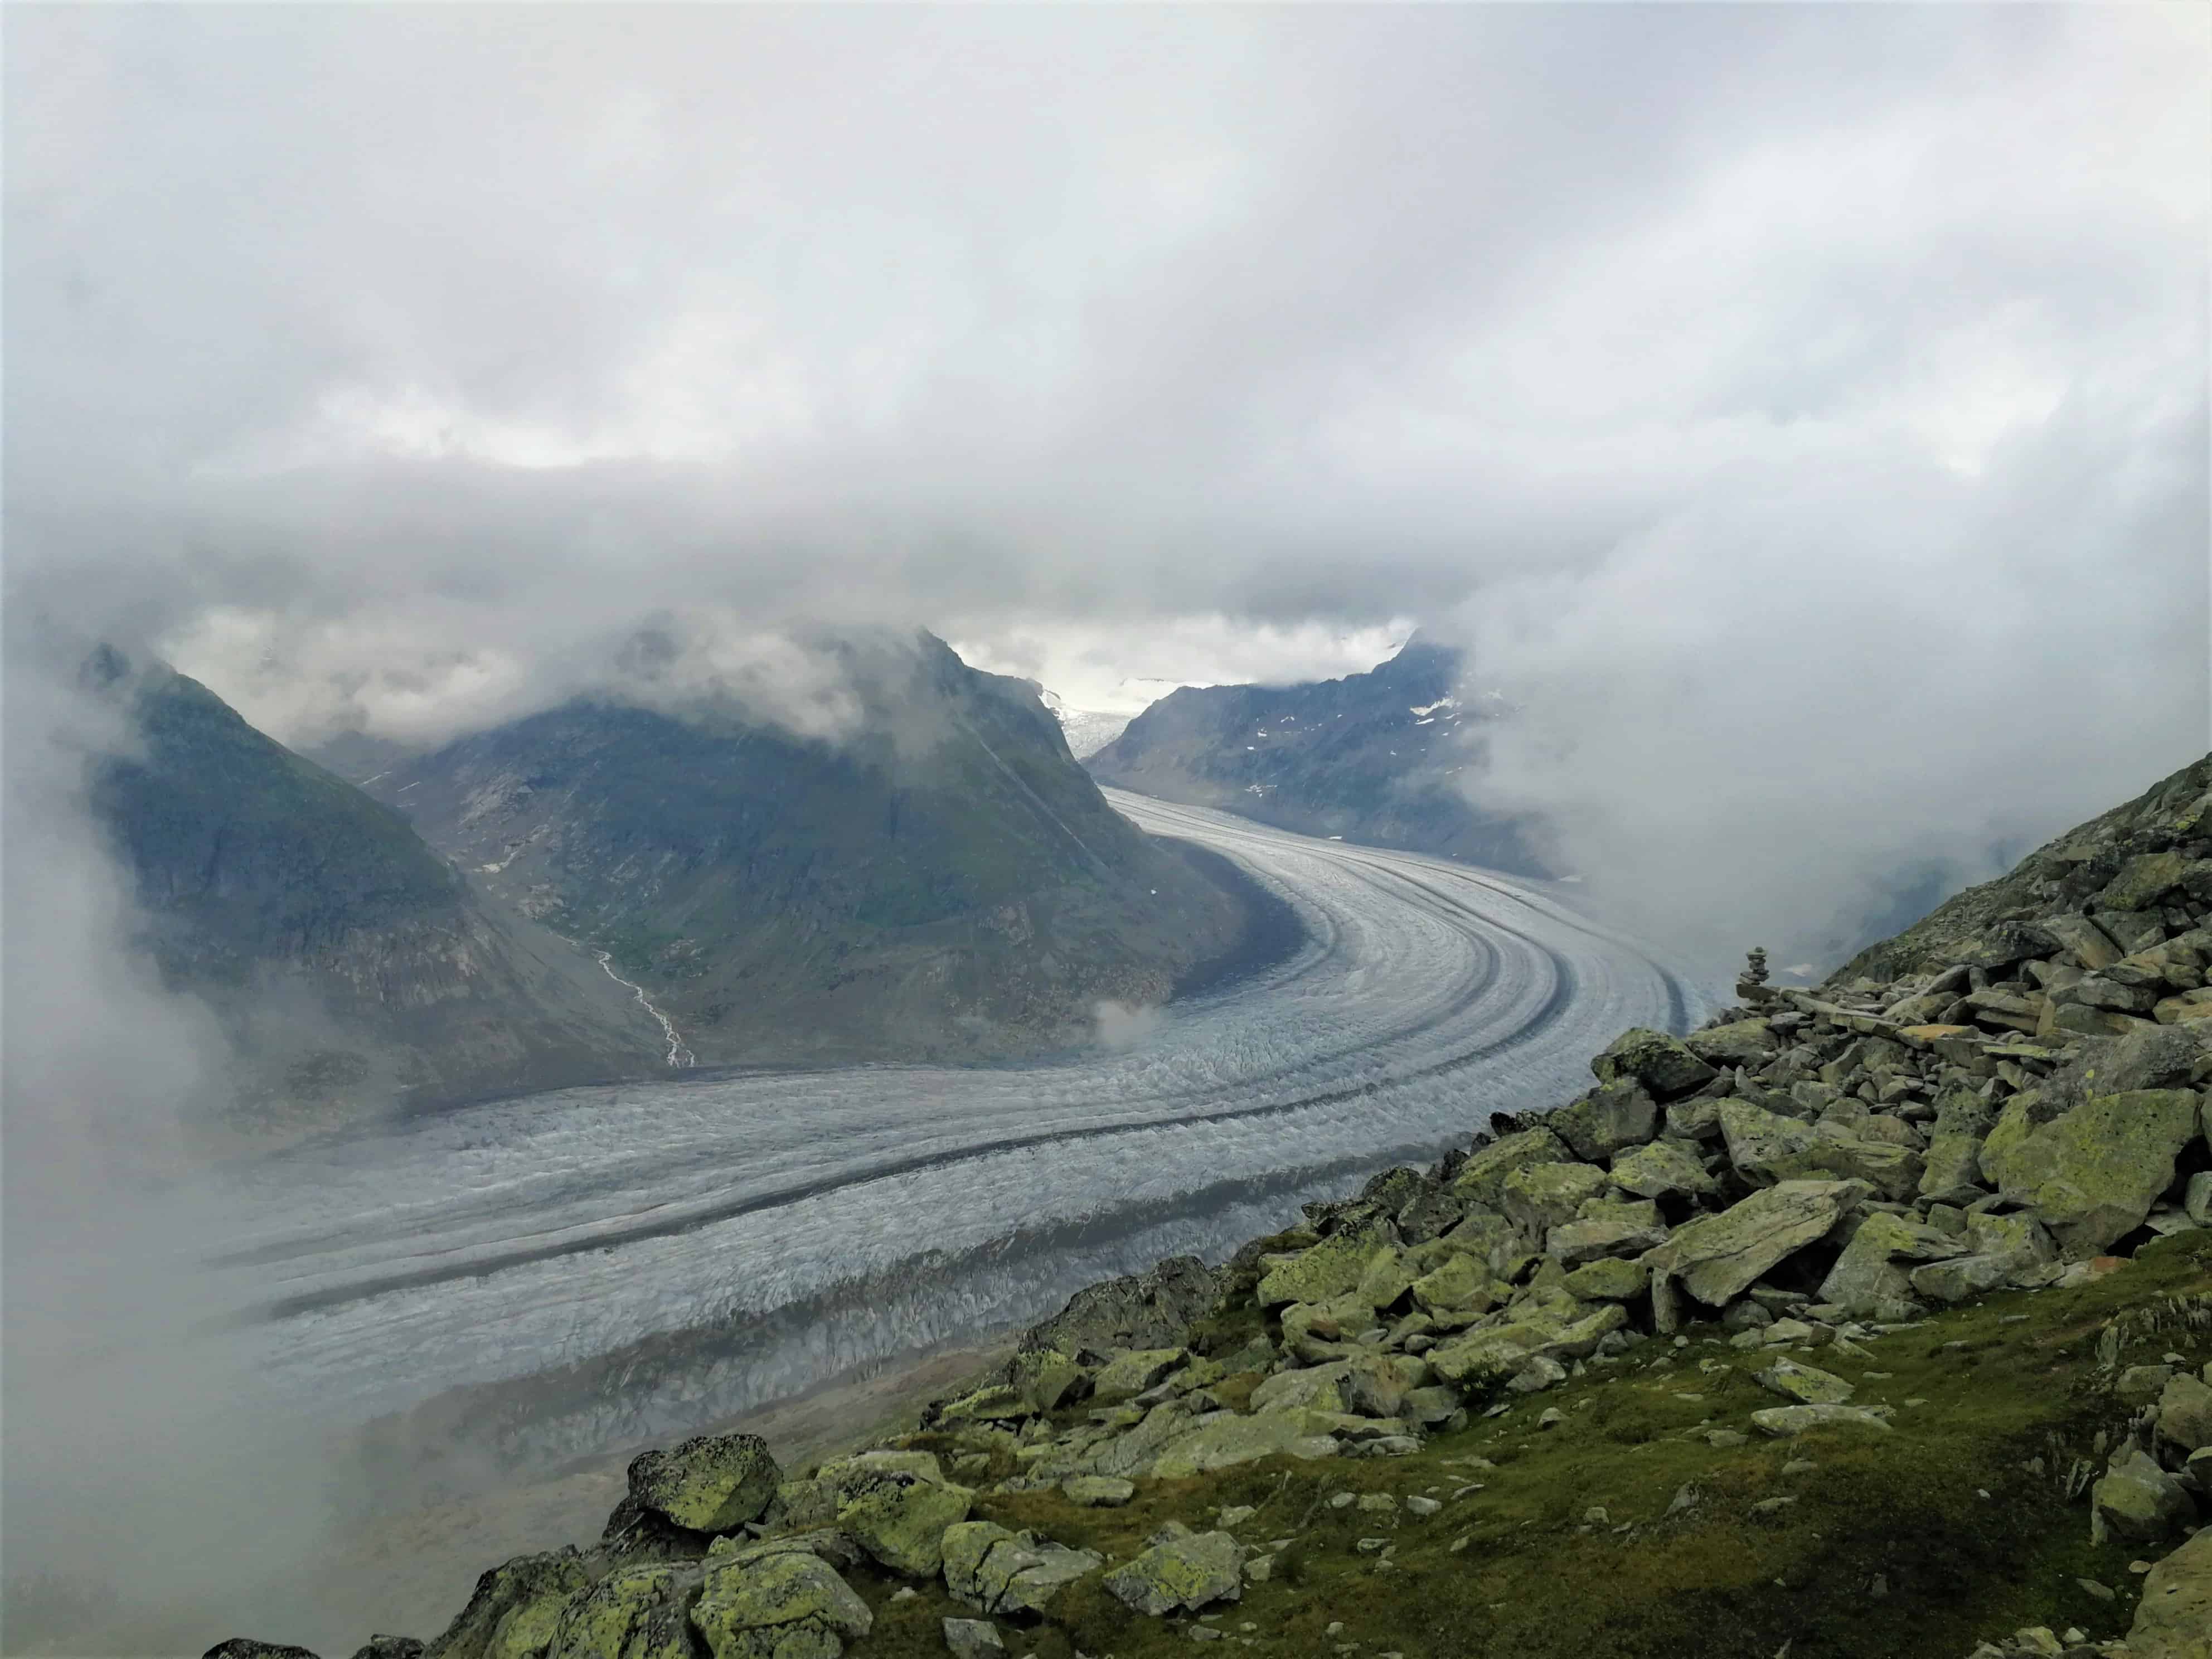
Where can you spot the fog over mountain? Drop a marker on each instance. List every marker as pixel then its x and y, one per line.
pixel 1802 409
pixel 1798 414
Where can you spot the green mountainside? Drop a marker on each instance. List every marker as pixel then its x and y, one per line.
pixel 939 879
pixel 1858 1324
pixel 1386 757
pixel 346 959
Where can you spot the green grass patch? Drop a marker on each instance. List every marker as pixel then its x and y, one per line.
pixel 1922 1540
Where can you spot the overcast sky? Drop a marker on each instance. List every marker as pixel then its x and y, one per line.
pixel 1802 410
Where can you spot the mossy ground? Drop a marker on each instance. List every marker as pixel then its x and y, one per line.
pixel 1920 1541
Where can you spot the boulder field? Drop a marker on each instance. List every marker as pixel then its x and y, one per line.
pixel 1870 1319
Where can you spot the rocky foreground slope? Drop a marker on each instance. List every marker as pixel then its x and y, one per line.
pixel 1873 1321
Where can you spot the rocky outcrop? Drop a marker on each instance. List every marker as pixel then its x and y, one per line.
pixel 938 880
pixel 1151 1309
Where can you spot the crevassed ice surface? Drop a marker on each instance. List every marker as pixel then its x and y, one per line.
pixel 758 1233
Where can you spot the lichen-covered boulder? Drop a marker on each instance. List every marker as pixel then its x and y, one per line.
pixel 1047 1379
pixel 1562 1329
pixel 1180 1571
pixel 1614 1279
pixel 1155 1308
pixel 1662 1063
pixel 1603 1229
pixel 1319 1332
pixel 2136 1500
pixel 1309 1387
pixel 712 1483
pixel 992 1570
pixel 2007 1250
pixel 512 1613
pixel 2185 1413
pixel 1131 1372
pixel 1807 1385
pixel 1482 1179
pixel 1463 1284
pixel 2091 1174
pixel 1388 1277
pixel 1750 1043
pixel 245 1647
pixel 972 1638
pixel 1766 1146
pixel 899 1518
pixel 1717 1258
pixel 1787 1422
pixel 1225 1440
pixel 1661 1169
pixel 1610 1118
pixel 1131 1453
pixel 1330 1268
pixel 788 1606
pixel 1868 1277
pixel 2174 1619
pixel 1546 1195
pixel 634 1612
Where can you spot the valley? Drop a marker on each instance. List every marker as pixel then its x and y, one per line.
pixel 556 1276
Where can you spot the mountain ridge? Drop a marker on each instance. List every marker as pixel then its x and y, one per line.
pixel 1386 757
pixel 347 962
pixel 939 879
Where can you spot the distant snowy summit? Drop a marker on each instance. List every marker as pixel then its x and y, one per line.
pixel 1090 730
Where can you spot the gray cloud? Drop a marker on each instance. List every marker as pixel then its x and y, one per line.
pixel 1757 379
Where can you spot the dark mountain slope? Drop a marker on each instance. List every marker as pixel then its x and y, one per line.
pixel 2127 871
pixel 1380 757
pixel 942 880
pixel 345 958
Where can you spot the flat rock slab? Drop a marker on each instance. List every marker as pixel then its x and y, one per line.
pixel 1787 1422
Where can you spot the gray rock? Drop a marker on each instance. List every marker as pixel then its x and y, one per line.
pixel 1098 1492
pixel 1180 1571
pixel 2184 1413
pixel 2092 1173
pixel 2174 1619
pixel 1867 1276
pixel 1151 1309
pixel 1661 1064
pixel 1717 1258
pixel 1744 1043
pixel 1546 1195
pixel 1807 1385
pixel 1611 1118
pixel 992 1570
pixel 2137 1500
pixel 972 1638
pixel 1662 1169
pixel 1481 1180
pixel 527 1591
pixel 1787 1422
pixel 713 1483
pixel 774 1607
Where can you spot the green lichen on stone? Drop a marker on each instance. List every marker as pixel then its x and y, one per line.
pixel 780 1607
pixel 900 1519
pixel 713 1483
pixel 2092 1174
